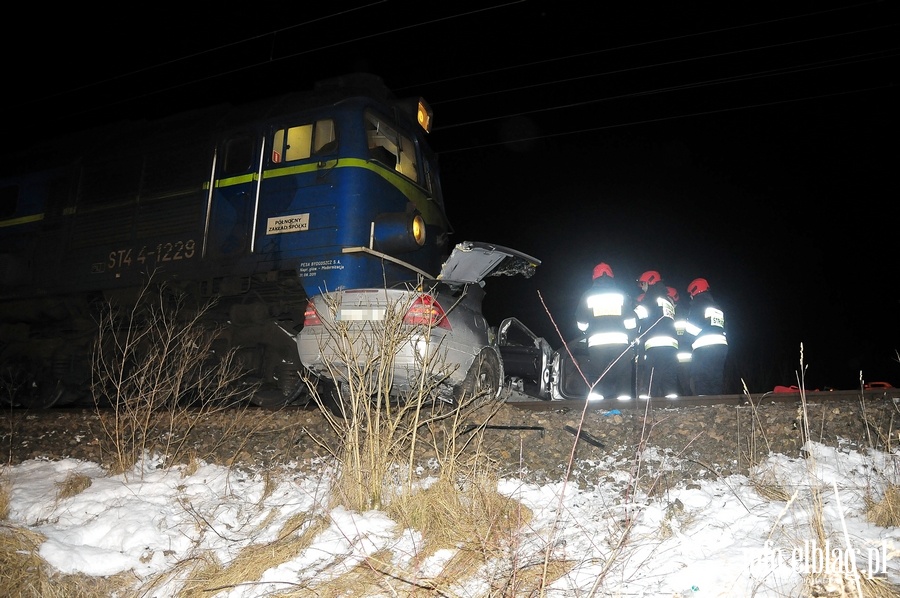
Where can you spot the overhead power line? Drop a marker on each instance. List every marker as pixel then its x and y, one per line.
pixel 780 71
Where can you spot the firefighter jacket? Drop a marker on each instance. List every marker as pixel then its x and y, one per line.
pixel 684 339
pixel 706 321
pixel 605 314
pixel 656 318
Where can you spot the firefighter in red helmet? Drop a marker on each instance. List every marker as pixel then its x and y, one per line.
pixel 658 361
pixel 709 349
pixel 605 315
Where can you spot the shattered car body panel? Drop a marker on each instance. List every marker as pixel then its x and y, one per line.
pixel 472 262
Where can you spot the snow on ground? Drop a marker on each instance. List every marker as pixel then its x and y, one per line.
pixel 711 537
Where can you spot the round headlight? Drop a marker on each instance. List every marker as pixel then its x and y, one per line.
pixel 418 229
pixel 397 232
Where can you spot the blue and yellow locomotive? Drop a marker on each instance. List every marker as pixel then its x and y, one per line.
pixel 257 205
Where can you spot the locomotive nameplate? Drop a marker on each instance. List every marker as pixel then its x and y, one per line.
pixel 287 224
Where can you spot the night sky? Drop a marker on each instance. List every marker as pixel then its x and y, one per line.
pixel 753 146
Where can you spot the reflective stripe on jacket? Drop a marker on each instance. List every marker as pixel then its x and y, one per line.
pixel 706 340
pixel 607 338
pixel 661 341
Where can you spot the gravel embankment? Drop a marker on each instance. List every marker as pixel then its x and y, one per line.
pixel 707 440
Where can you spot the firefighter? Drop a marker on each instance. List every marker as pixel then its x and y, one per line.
pixel 684 343
pixel 709 349
pixel 658 363
pixel 605 314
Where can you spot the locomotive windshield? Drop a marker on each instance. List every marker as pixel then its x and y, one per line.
pixel 391 148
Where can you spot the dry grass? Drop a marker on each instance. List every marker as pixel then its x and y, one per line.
pixel 203 575
pixel 467 515
pixel 4 500
pixel 73 485
pixel 24 574
pixel 873 587
pixel 840 574
pixel 885 512
pixel 767 485
pixel 755 446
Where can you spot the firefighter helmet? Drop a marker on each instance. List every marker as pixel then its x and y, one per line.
pixel 602 269
pixel 672 293
pixel 698 285
pixel 651 277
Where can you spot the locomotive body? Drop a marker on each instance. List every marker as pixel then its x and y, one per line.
pixel 256 206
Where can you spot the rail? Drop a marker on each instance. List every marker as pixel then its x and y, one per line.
pixel 528 402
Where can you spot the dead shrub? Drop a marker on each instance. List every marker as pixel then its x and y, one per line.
pixel 155 365
pixel 383 436
pixel 381 430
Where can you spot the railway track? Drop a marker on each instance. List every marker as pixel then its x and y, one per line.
pixel 529 403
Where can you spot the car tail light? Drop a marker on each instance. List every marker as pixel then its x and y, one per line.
pixel 311 316
pixel 426 311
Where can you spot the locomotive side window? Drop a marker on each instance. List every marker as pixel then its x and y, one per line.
pixel 302 141
pixel 407 163
pixel 238 155
pixel 292 144
pixel 325 139
pixel 8 197
pixel 392 149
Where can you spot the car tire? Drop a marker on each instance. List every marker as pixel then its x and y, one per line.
pixel 482 380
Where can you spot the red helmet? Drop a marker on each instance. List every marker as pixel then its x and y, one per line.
pixel 651 277
pixel 698 285
pixel 602 269
pixel 672 293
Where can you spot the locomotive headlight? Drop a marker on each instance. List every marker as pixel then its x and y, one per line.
pixel 397 232
pixel 418 229
pixel 419 109
pixel 424 115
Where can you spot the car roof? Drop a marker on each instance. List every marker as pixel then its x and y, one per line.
pixel 472 261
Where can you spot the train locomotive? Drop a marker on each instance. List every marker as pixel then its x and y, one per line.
pixel 258 205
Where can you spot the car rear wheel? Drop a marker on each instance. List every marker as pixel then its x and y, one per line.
pixel 482 382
